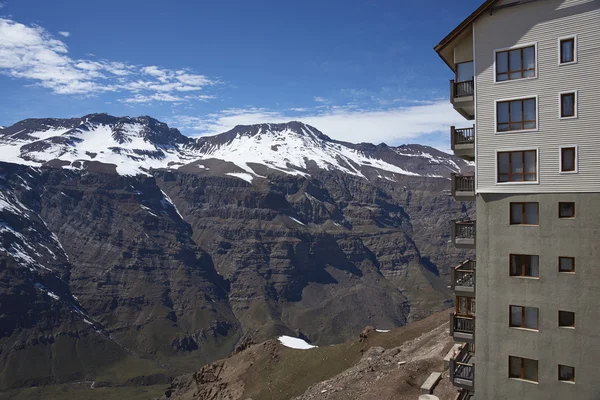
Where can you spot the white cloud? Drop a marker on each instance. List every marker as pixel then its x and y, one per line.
pixel 319 99
pixel 390 126
pixel 64 33
pixel 32 53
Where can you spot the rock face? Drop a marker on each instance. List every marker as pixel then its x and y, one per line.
pixel 214 244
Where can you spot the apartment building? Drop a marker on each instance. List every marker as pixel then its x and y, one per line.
pixel 527 81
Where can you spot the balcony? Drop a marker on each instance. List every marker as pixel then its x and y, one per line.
pixel 462 368
pixel 461 97
pixel 465 394
pixel 462 278
pixel 463 187
pixel 462 142
pixel 463 234
pixel 462 328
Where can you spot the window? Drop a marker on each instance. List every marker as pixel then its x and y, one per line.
pixel 516 115
pixel 567 50
pixel 524 213
pixel 523 317
pixel 566 210
pixel 566 319
pixel 523 368
pixel 515 64
pixel 566 373
pixel 524 265
pixel 464 71
pixel 568 159
pixel 465 305
pixel 517 166
pixel 566 264
pixel 568 105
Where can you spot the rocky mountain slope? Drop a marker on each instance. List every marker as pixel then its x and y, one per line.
pixel 375 365
pixel 152 253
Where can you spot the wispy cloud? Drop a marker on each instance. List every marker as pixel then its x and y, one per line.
pixel 392 126
pixel 64 33
pixel 32 53
pixel 319 99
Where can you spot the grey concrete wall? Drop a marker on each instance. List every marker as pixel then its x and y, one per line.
pixel 553 291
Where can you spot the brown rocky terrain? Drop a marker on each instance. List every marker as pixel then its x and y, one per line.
pixel 386 366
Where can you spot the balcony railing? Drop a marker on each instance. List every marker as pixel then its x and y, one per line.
pixel 463 187
pixel 462 136
pixel 463 233
pixel 462 368
pixel 463 276
pixel 465 395
pixel 462 328
pixel 462 89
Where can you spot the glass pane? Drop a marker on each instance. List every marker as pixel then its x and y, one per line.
pixel 529 73
pixel 502 62
pixel 529 125
pixel 503 178
pixel 516 162
pixel 566 318
pixel 528 58
pixel 531 317
pixel 529 107
pixel 462 305
pixel 502 127
pixel 566 373
pixel 566 50
pixel 516 213
pixel 530 369
pixel 530 161
pixel 568 105
pixel 532 213
pixel 566 210
pixel 533 266
pixel 516 266
pixel 503 112
pixel 502 77
pixel 464 71
pixel 516 316
pixel 503 165
pixel 514 367
pixel 565 264
pixel 515 60
pixel 472 309
pixel 516 111
pixel 568 159
pixel 516 75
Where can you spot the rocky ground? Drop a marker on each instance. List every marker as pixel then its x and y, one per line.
pixel 391 365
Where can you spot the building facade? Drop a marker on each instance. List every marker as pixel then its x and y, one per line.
pixel 527 79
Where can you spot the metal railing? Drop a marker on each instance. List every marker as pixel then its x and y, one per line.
pixel 465 395
pixel 463 324
pixel 464 274
pixel 462 366
pixel 462 89
pixel 464 229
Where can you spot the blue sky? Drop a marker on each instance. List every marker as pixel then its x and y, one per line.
pixel 359 70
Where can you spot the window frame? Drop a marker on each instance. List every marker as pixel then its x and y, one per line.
pixel 567 326
pixel 575 94
pixel 572 271
pixel 559 49
pixel 456 73
pixel 537 114
pixel 566 380
pixel 522 375
pixel 575 159
pixel 566 202
pixel 522 326
pixel 510 257
pixel 469 301
pixel 516 47
pixel 523 213
pixel 537 161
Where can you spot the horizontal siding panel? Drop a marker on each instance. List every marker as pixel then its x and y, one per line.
pixel 543 23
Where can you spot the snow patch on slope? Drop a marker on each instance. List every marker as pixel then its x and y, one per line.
pixel 295 343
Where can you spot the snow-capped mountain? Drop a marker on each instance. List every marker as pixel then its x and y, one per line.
pixel 133 146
